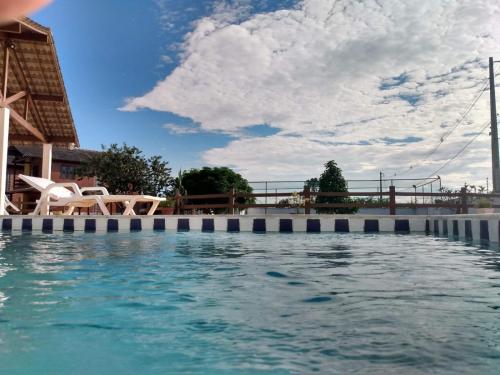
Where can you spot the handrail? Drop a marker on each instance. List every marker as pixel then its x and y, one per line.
pixel 458 200
pixel 232 201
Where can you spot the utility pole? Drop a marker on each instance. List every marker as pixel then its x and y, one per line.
pixel 381 174
pixel 495 161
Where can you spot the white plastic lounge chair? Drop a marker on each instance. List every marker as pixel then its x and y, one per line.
pixel 8 204
pixel 58 195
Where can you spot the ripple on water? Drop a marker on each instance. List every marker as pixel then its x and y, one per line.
pixel 226 268
pixel 317 299
pixel 296 283
pixel 85 325
pixel 275 274
pixel 204 326
pixel 329 352
pixel 186 298
pixel 133 305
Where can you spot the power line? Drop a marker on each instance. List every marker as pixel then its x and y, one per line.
pixel 447 134
pixel 461 150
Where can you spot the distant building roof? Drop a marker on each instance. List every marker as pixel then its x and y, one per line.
pixel 58 153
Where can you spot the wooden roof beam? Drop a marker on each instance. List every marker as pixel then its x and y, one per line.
pixel 30 37
pixel 25 124
pixel 13 98
pixel 42 97
pixel 48 98
pixel 14 27
pixel 36 29
pixel 32 138
pixel 33 108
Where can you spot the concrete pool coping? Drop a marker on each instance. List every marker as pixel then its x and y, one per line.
pixel 476 227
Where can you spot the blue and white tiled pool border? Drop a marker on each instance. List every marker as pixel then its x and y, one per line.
pixel 475 228
pixel 469 227
pixel 210 223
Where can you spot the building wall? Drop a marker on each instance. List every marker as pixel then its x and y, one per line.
pixel 34 168
pixel 59 176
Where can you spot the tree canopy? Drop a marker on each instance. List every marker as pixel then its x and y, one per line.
pixel 125 169
pixel 312 184
pixel 332 180
pixel 217 180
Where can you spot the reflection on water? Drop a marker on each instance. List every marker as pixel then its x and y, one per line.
pixel 207 303
pixel 337 255
pixel 3 298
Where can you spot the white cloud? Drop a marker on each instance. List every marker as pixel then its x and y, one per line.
pixel 325 72
pixel 181 129
pixel 166 59
pixel 226 13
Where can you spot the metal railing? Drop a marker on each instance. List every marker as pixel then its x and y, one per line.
pixel 423 185
pixel 460 201
pixel 233 201
pixel 428 185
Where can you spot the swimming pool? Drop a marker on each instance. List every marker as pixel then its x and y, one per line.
pixel 224 303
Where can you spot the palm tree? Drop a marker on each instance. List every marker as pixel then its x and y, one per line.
pixel 178 183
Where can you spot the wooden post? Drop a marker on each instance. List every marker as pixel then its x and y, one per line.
pixel 4 145
pixel 307 200
pixel 26 108
pixel 463 192
pixel 392 200
pixel 232 200
pixel 4 131
pixel 47 161
pixel 178 201
pixel 6 53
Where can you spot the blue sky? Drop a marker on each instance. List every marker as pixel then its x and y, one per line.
pixel 110 50
pixel 275 88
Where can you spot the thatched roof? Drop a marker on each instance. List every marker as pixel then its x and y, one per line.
pixel 34 69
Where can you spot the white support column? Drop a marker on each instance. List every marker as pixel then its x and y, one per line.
pixel 47 161
pixel 4 145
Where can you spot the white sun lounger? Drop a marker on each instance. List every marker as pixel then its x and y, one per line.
pixel 58 195
pixel 13 207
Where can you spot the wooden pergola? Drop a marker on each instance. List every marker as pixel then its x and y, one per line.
pixel 34 106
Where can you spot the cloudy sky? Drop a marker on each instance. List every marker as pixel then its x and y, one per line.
pixel 275 88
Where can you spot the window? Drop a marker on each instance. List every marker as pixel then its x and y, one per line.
pixel 68 172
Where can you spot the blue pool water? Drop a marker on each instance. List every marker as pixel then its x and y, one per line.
pixel 218 303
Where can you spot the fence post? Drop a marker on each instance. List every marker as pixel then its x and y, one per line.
pixel 307 200
pixel 392 200
pixel 231 197
pixel 463 192
pixel 178 197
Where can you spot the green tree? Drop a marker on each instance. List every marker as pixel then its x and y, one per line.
pixel 124 169
pixel 331 180
pixel 313 184
pixel 178 182
pixel 218 180
pixel 158 179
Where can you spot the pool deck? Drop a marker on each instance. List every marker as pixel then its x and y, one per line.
pixel 483 227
